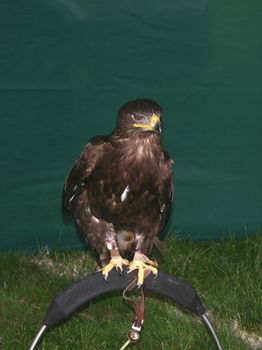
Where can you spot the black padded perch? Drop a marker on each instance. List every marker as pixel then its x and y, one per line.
pixel 94 285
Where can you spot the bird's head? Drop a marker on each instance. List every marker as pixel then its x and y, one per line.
pixel 140 115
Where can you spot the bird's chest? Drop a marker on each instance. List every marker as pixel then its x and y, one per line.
pixel 127 180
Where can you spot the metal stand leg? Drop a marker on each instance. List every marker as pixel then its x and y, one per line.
pixel 37 338
pixel 212 331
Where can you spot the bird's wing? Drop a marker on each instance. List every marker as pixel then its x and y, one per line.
pixel 166 193
pixel 80 172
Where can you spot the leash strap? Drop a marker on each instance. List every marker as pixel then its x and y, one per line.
pixel 138 308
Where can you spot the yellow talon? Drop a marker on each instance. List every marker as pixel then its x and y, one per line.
pixel 117 262
pixel 142 263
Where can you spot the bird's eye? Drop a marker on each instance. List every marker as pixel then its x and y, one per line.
pixel 137 117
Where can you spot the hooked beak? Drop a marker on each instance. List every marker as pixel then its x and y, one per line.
pixel 155 123
pixel 157 127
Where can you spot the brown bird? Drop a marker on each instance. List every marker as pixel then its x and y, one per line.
pixel 120 190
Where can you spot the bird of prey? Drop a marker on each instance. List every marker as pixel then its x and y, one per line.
pixel 120 189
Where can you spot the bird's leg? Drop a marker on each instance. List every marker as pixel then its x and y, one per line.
pixel 142 263
pixel 115 261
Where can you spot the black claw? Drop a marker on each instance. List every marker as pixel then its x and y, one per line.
pixel 119 271
pixel 125 271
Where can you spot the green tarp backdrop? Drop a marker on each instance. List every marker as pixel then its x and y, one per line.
pixel 66 66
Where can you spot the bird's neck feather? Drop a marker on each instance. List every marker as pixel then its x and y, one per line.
pixel 140 146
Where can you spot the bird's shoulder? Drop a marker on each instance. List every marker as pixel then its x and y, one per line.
pixel 97 144
pixel 92 152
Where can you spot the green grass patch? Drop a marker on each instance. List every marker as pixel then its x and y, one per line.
pixel 227 275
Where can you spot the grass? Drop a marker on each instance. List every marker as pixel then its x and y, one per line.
pixel 227 275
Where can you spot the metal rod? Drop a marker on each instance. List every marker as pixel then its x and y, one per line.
pixel 212 331
pixel 38 336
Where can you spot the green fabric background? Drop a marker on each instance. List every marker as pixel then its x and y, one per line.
pixel 66 66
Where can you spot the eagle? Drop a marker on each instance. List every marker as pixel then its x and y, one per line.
pixel 120 190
